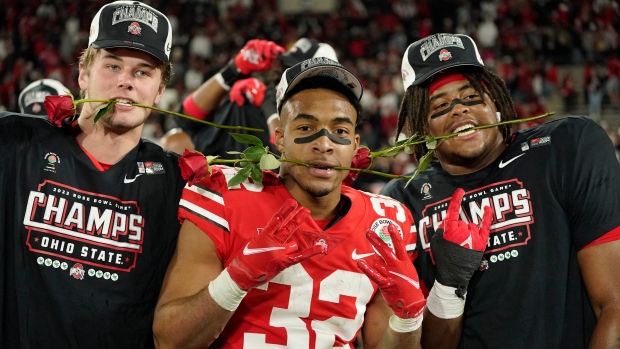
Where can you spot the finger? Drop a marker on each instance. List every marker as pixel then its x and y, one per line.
pixel 455 206
pixel 373 274
pixel 379 265
pixel 291 223
pixel 485 225
pixel 252 44
pixel 308 253
pixel 283 212
pixel 384 250
pixel 399 245
pixel 235 96
pixel 275 49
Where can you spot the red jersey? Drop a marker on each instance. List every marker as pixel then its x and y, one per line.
pixel 319 303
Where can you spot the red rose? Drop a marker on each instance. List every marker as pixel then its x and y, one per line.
pixel 194 166
pixel 59 108
pixel 361 160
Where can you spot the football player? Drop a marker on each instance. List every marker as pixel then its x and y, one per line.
pixel 544 280
pixel 297 260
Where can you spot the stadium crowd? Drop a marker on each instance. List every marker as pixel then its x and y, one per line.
pixel 531 44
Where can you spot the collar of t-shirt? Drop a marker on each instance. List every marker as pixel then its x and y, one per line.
pixel 98 164
pixel 343 207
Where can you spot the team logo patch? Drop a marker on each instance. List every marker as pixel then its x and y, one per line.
pixel 51 161
pixel 251 56
pixel 36 107
pixel 425 190
pixel 77 271
pixel 134 28
pixel 444 55
pixel 380 227
pixel 540 141
pixel 484 264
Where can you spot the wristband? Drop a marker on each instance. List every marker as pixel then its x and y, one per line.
pixel 192 109
pixel 455 264
pixel 405 325
pixel 229 75
pixel 226 292
pixel 443 302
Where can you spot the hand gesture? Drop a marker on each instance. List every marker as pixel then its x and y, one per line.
pixel 257 55
pixel 457 247
pixel 250 89
pixel 395 275
pixel 268 253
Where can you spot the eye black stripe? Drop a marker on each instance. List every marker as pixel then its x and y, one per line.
pixel 454 103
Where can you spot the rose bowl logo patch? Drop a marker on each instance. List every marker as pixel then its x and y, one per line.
pixel 380 227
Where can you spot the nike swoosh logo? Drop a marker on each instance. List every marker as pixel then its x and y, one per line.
pixel 356 256
pixel 127 180
pixel 248 251
pixel 503 164
pixel 407 278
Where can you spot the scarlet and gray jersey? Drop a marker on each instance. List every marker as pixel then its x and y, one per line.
pixel 84 252
pixel 319 303
pixel 554 190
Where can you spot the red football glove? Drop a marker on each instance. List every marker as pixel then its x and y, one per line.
pixel 457 247
pixel 468 235
pixel 395 275
pixel 257 55
pixel 268 253
pixel 251 89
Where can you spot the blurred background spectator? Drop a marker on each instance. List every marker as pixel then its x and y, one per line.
pixel 559 56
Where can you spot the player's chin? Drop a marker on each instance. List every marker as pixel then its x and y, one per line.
pixel 318 191
pixel 320 188
pixel 125 122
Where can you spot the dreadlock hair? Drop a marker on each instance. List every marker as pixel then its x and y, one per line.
pixel 414 107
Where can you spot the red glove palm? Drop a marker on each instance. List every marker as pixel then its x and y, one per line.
pixel 257 55
pixel 267 254
pixel 251 89
pixel 468 235
pixel 395 275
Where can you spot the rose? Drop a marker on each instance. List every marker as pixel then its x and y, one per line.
pixel 194 166
pixel 361 160
pixel 59 108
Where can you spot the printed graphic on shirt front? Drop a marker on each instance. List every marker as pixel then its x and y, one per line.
pixel 83 227
pixel 512 215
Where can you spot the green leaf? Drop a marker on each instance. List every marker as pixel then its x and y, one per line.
pixel 423 163
pixel 234 152
pixel 254 153
pixel 247 139
pixel 431 144
pixel 103 110
pixel 269 162
pixel 256 173
pixel 401 142
pixel 241 176
pixel 392 152
pixel 408 150
pixel 211 158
